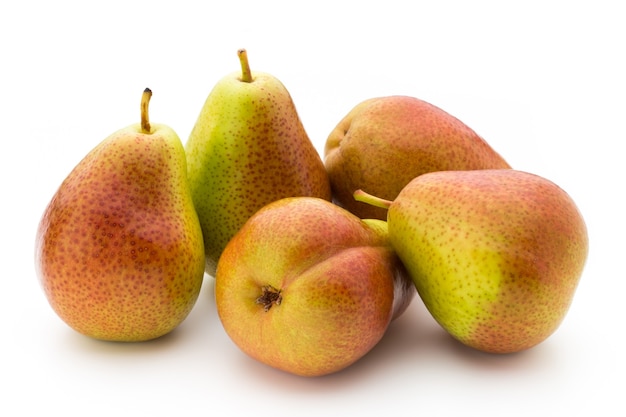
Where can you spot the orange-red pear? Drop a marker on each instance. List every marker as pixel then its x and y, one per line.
pixel 307 287
pixel 385 142
pixel 119 248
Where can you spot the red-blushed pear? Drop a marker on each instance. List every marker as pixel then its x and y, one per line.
pixel 307 287
pixel 119 249
pixel 385 142
pixel 496 255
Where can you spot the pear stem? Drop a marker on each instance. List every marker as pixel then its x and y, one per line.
pixel 246 74
pixel 145 120
pixel 362 196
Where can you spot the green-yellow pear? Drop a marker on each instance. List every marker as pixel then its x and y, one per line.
pixel 119 248
pixel 496 255
pixel 308 288
pixel 385 142
pixel 248 148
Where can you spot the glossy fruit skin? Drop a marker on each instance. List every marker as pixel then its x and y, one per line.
pixel 119 249
pixel 495 255
pixel 385 142
pixel 337 279
pixel 247 149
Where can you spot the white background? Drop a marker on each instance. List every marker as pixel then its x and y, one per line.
pixel 542 82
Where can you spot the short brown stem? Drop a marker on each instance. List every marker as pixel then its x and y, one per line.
pixel 145 119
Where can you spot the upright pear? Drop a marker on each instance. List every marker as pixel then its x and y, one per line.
pixel 247 149
pixel 119 248
pixel 496 255
pixel 385 142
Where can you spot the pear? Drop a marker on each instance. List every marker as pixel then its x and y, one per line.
pixel 385 142
pixel 248 148
pixel 119 248
pixel 308 288
pixel 496 255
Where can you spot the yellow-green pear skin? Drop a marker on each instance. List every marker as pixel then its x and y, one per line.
pixel 119 248
pixel 308 288
pixel 248 148
pixel 496 255
pixel 385 142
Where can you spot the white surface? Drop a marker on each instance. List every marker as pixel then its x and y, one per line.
pixel 543 82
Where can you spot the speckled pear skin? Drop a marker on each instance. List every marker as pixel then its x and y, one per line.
pixel 496 255
pixel 385 142
pixel 247 149
pixel 337 277
pixel 119 248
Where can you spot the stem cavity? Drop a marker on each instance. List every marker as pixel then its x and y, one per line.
pixel 269 297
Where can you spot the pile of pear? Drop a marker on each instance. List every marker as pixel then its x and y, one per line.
pixel 312 256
